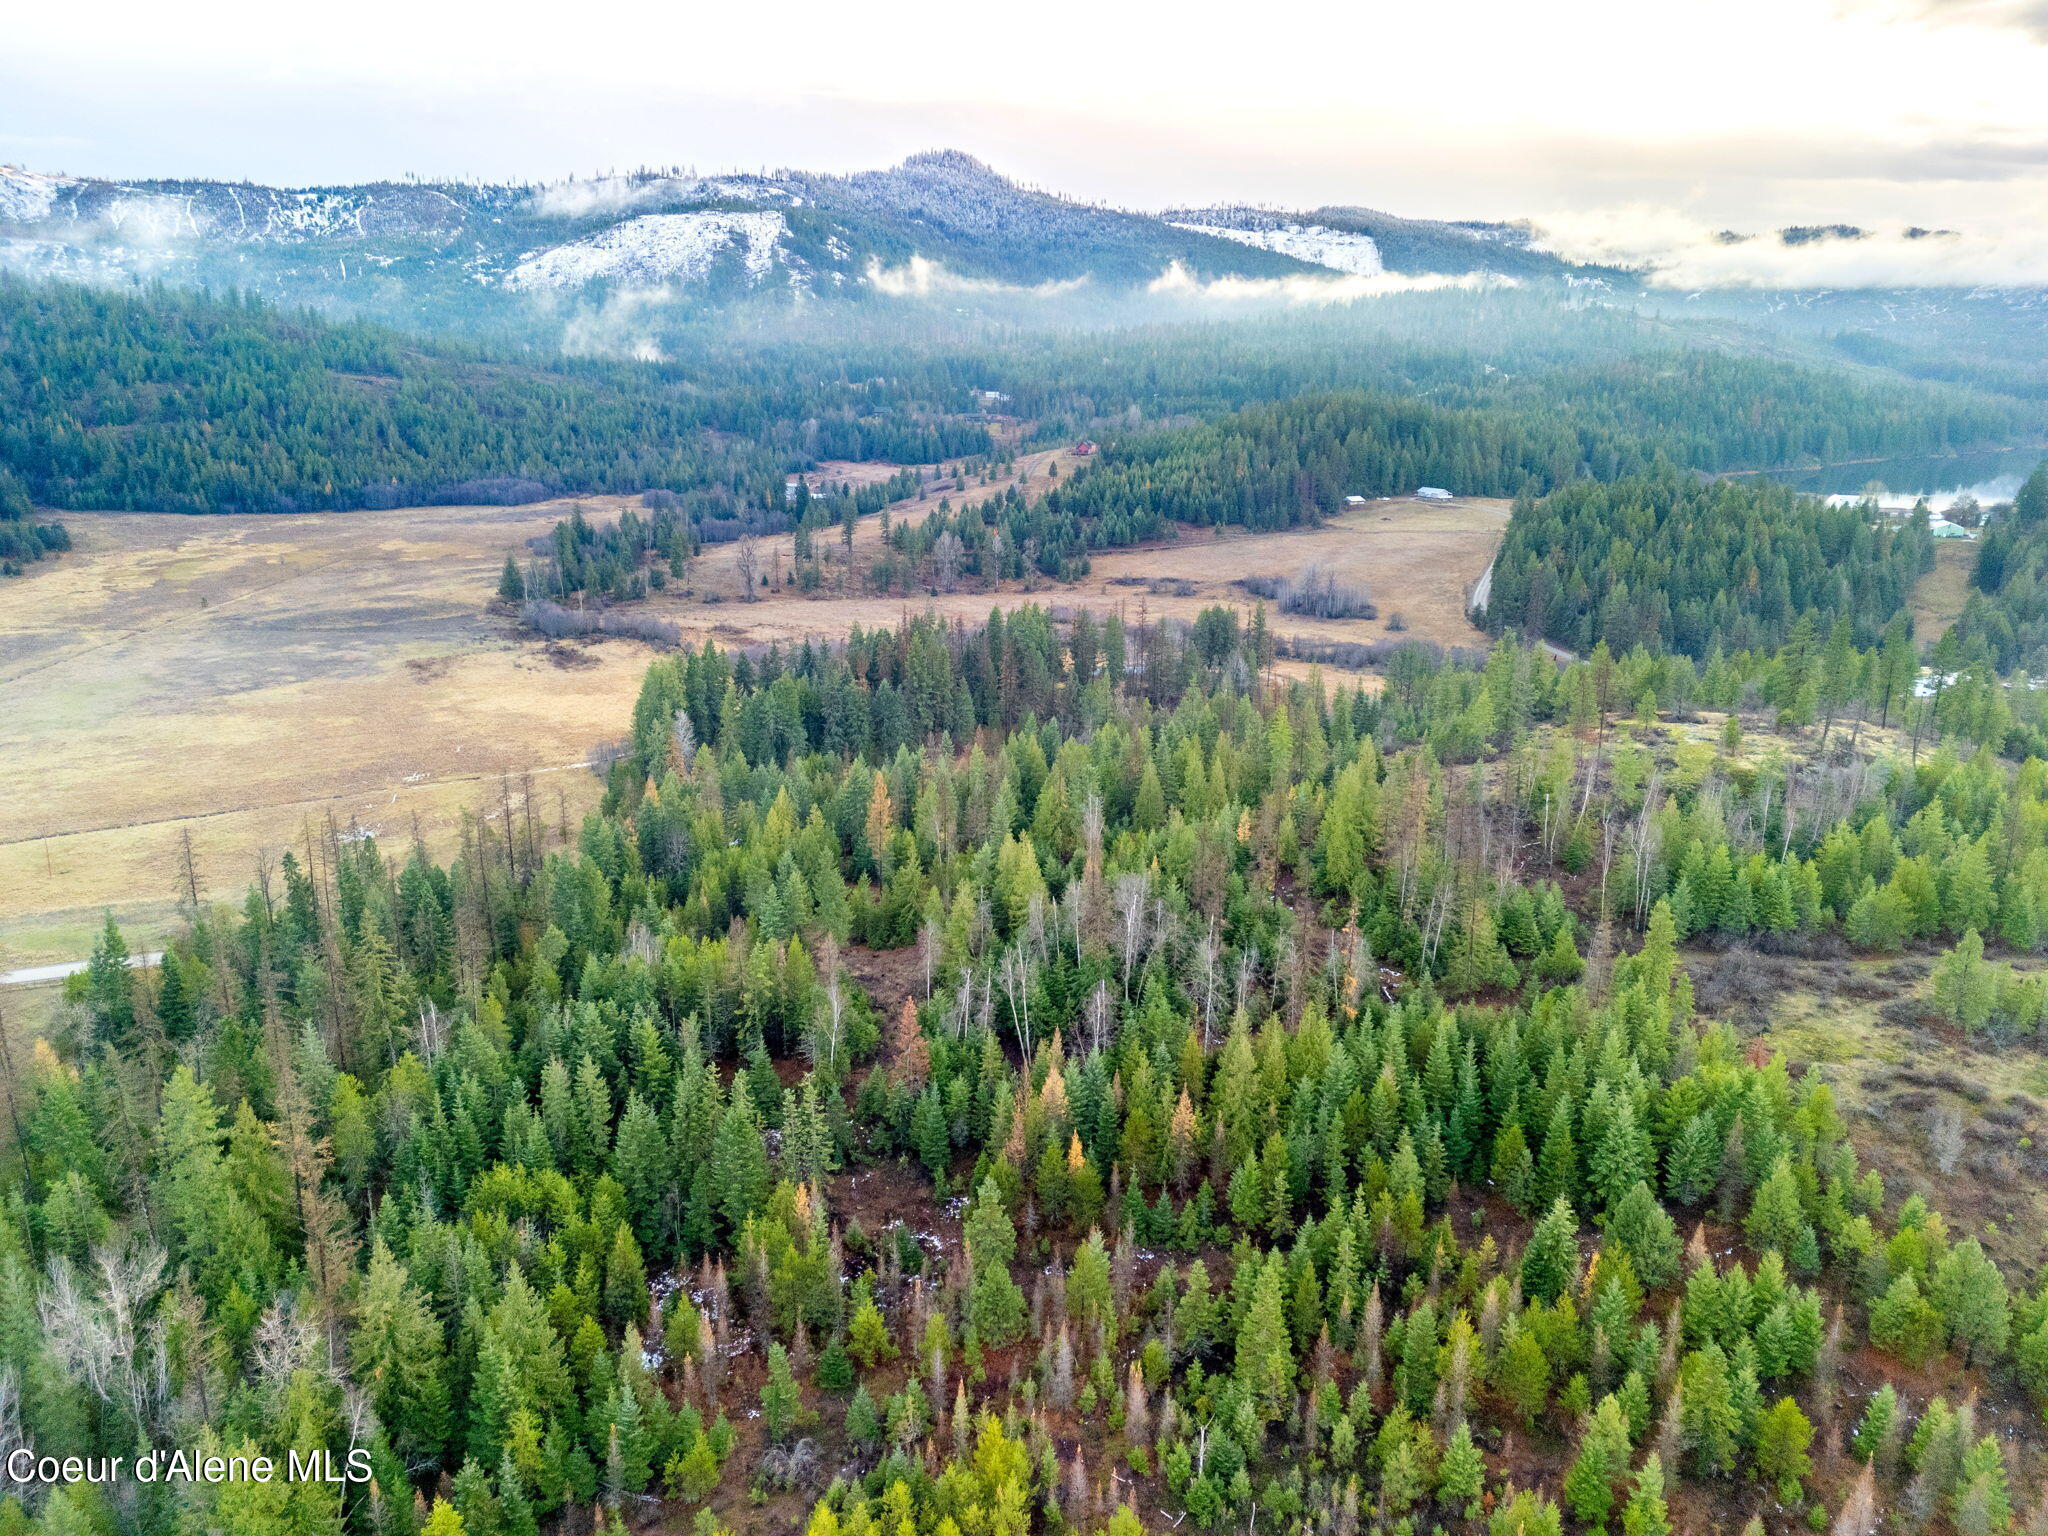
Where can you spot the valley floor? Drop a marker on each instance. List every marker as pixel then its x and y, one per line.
pixel 239 679
pixel 235 678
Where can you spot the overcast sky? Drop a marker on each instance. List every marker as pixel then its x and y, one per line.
pixel 1743 112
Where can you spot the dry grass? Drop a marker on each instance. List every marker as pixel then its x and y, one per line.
pixel 1939 596
pixel 1419 560
pixel 236 677
pixel 1892 1079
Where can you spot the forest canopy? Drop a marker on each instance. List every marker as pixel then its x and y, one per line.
pixel 1311 1160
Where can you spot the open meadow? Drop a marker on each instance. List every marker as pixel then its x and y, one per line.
pixel 237 678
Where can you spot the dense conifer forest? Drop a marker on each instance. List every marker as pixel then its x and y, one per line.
pixel 179 402
pixel 1673 560
pixel 1043 1077
pixel 167 400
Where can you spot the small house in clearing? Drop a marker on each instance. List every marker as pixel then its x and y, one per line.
pixel 1432 493
pixel 1354 501
pixel 1083 448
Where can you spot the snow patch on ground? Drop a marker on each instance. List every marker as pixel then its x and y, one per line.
pixel 305 215
pixel 654 248
pixel 1341 250
pixel 28 195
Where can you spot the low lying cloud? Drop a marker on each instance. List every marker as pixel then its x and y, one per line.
pixel 1674 250
pixel 920 278
pixel 604 194
pixel 1314 288
pixel 623 326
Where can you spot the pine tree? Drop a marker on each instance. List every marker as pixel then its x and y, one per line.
pixel 1265 1362
pixel 640 1162
pixel 1552 1257
pixel 395 1352
pixel 995 1304
pixel 1602 1459
pixel 867 1338
pixel 1971 1296
pixel 1640 1227
pixel 1557 1171
pixel 1521 1374
pixel 1782 1438
pixel 1877 1431
pixel 1904 1324
pixel 1461 1476
pixel 1646 1513
pixel 1707 1413
pixel 1965 987
pixel 739 1166
pixel 1777 1219
pixel 781 1403
pixel 110 988
pixel 1620 1159
pixel 863 1424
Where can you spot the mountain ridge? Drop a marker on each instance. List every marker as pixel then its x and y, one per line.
pixel 726 236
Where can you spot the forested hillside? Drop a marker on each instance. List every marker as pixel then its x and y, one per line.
pixel 1321 1169
pixel 159 400
pixel 1279 465
pixel 184 403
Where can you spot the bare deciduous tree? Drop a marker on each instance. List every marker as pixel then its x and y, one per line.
pixel 97 1335
pixel 748 562
pixel 1133 899
pixel 946 560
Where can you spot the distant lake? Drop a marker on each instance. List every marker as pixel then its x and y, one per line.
pixel 1989 477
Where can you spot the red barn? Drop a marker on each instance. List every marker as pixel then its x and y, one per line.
pixel 1083 448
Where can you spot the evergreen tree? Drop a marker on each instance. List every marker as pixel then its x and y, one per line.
pixel 995 1304
pixel 1552 1257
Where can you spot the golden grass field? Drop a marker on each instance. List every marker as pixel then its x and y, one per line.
pixel 1939 596
pixel 1418 559
pixel 235 676
pixel 239 678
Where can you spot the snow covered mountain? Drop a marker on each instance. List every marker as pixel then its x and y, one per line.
pixel 657 248
pixel 436 253
pixel 1364 240
pixel 1341 250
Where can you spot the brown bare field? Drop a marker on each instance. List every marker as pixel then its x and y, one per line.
pixel 1418 560
pixel 238 677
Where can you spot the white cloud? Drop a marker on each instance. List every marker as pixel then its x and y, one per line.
pixel 921 278
pixel 624 325
pixel 1677 251
pixel 1313 288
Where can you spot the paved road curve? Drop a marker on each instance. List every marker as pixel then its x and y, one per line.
pixel 59 972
